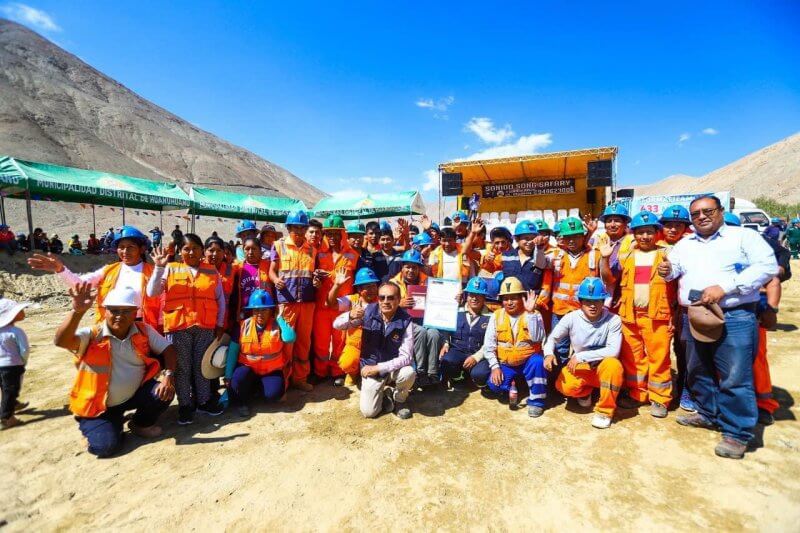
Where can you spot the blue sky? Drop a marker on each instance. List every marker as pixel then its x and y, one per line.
pixel 373 95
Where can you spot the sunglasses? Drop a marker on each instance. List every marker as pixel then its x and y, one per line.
pixel 704 212
pixel 386 297
pixel 121 310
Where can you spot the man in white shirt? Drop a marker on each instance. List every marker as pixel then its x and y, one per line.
pixel 723 265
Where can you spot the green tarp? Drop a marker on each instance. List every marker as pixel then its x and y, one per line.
pixel 396 204
pixel 66 184
pixel 211 202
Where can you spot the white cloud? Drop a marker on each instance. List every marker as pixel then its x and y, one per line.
pixel 349 193
pixel 485 129
pixel 30 16
pixel 431 180
pixel 527 144
pixel 710 131
pixel 683 138
pixel 370 179
pixel 438 107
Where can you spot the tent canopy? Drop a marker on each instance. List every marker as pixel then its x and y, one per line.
pixel 553 164
pixel 211 202
pixel 67 184
pixel 371 206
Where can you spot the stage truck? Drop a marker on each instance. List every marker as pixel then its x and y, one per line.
pixel 549 186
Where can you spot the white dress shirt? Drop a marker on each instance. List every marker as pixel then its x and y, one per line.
pixel 737 259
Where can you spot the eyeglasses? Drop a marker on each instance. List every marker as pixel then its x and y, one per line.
pixel 121 310
pixel 705 212
pixel 386 297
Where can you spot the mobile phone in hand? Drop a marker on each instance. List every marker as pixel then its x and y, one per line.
pixel 695 295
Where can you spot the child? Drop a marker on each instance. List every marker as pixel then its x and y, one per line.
pixel 14 350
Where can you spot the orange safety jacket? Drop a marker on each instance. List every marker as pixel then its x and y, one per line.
pixel 662 293
pixel 151 307
pixel 228 274
pixel 190 300
pixel 296 267
pixel 437 269
pixel 561 280
pixel 398 280
pixel 353 335
pixel 90 390
pixel 261 352
pixel 348 260
pixel 514 347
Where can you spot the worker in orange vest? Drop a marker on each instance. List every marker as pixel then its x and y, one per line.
pixel 450 260
pixel 261 354
pixel 194 315
pixel 566 268
pixel 116 369
pixel 645 307
pixel 366 286
pixel 130 271
pixel 615 218
pixel 492 259
pixel 334 256
pixel 295 278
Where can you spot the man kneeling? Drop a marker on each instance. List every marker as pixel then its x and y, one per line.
pixel 595 335
pixel 116 372
pixel 387 351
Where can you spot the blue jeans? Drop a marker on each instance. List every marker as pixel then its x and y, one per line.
pixel 561 348
pixel 104 432
pixel 243 379
pixel 720 375
pixel 480 373
pixel 535 376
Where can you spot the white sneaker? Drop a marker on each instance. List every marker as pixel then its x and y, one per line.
pixel 601 421
pixel 586 401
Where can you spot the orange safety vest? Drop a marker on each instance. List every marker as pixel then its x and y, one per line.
pixel 90 390
pixel 398 280
pixel 491 266
pixel 514 347
pixel 151 307
pixel 437 269
pixel 562 280
pixel 261 352
pixel 190 301
pixel 662 294
pixel 296 267
pixel 348 260
pixel 228 274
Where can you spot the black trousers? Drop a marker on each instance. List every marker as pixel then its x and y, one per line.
pixel 10 384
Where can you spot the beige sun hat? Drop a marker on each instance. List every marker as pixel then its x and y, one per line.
pixel 213 364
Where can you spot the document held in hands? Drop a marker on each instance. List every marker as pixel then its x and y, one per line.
pixel 417 292
pixel 441 306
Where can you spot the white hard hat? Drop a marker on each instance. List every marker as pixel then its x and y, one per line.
pixel 122 297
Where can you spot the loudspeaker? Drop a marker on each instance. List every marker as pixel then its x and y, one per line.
pixel 591 196
pixel 463 203
pixel 599 173
pixel 624 193
pixel 452 184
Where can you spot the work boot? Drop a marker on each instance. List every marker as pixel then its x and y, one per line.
pixel 185 416
pixel 149 432
pixel 687 404
pixel 626 402
pixel 402 412
pixel 19 406
pixel 534 411
pixel 765 418
pixel 338 382
pixel 243 411
pixel 585 401
pixel 658 410
pixel 211 408
pixel 601 421
pixel 10 422
pixel 388 400
pixel 730 448
pixel 695 420
pixel 303 385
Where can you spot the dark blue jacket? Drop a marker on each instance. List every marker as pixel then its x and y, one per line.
pixel 381 342
pixel 466 339
pixel 530 275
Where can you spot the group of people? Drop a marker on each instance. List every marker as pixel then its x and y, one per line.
pixel 591 315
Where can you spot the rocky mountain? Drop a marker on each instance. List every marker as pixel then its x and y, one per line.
pixel 772 172
pixel 55 108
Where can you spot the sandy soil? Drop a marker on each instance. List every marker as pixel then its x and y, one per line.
pixel 462 462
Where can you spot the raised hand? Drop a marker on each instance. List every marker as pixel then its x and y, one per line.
pixel 160 256
pixel 590 223
pixel 342 277
pixel 530 301
pixel 477 226
pixel 604 245
pixel 425 221
pixel 48 263
pixel 82 297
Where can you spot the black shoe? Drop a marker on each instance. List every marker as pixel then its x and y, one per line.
pixel 185 416
pixel 765 418
pixel 695 420
pixel 211 408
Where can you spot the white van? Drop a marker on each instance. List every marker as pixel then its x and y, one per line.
pixel 751 216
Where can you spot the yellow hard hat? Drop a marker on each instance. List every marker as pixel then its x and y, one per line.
pixel 511 286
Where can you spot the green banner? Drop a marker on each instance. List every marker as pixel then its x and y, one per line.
pixel 211 202
pixel 371 206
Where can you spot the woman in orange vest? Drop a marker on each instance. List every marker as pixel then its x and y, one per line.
pixel 130 271
pixel 216 256
pixel 194 314
pixel 645 308
pixel 116 372
pixel 261 354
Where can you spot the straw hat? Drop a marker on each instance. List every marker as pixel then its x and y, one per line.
pixel 9 309
pixel 213 364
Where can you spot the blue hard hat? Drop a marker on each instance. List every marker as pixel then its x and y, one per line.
pixel 644 218
pixel 796 221
pixel 129 232
pixel 615 210
pixel 385 226
pixel 676 213
pixel 525 227
pixel 412 256
pixel 435 226
pixel 776 220
pixel 245 225
pixel 297 218
pixel 731 219
pixel 260 299
pixel 423 239
pixel 477 286
pixel 461 215
pixel 365 276
pixel 592 288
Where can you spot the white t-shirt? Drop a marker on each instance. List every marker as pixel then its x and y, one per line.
pixel 450 268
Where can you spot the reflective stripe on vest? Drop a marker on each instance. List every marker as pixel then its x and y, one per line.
pixel 263 353
pixel 514 347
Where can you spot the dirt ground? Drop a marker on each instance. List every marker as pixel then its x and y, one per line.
pixel 462 462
